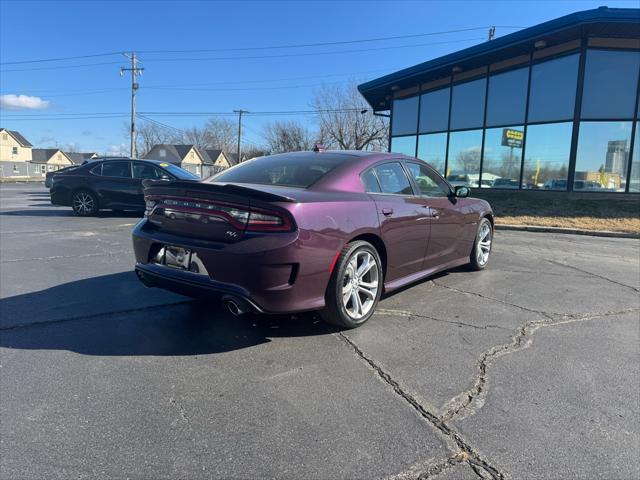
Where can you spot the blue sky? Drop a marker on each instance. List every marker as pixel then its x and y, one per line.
pixel 31 30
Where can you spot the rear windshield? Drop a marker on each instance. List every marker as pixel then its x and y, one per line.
pixel 285 170
pixel 178 172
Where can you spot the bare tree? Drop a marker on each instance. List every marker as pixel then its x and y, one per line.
pixel 149 134
pixel 196 136
pixel 347 122
pixel 289 136
pixel 221 133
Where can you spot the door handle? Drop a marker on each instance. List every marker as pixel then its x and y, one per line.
pixel 435 213
pixel 387 212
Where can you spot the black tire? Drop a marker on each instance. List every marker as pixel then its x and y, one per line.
pixel 84 203
pixel 336 312
pixel 476 262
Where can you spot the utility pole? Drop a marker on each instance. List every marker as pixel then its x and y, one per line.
pixel 240 112
pixel 135 71
pixel 492 33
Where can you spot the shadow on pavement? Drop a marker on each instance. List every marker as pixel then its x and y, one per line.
pixel 114 315
pixel 57 211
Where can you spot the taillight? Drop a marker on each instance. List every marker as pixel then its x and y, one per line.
pixel 260 220
pixel 254 220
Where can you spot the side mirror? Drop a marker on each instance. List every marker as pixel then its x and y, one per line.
pixel 462 191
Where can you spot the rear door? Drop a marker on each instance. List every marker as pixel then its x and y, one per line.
pixel 116 186
pixel 446 218
pixel 404 222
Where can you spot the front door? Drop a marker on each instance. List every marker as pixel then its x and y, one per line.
pixel 404 222
pixel 447 232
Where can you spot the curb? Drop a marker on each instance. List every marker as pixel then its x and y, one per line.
pixel 571 231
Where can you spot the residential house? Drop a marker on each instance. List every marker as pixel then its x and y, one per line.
pixel 217 160
pixel 79 158
pixel 15 154
pixel 48 160
pixel 185 156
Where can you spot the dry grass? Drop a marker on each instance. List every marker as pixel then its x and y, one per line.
pixel 613 212
pixel 588 223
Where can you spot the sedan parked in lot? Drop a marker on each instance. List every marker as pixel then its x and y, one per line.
pixel 327 231
pixel 111 183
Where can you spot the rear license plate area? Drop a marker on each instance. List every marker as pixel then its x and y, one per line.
pixel 179 258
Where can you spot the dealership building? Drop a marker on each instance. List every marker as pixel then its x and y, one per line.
pixel 550 107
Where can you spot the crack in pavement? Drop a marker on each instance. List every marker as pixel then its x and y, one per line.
pixel 470 401
pixel 548 315
pixel 454 440
pixel 555 262
pixel 406 313
pixel 430 468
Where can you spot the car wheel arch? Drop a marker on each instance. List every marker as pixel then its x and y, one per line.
pixel 378 244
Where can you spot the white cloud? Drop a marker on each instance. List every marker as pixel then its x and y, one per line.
pixel 22 102
pixel 117 150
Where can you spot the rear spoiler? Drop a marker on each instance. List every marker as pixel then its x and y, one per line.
pixel 189 188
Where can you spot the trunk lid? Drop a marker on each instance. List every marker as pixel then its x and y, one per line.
pixel 214 211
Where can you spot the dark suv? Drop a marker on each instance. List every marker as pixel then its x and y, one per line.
pixel 113 183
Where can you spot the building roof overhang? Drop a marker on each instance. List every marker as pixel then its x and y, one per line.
pixel 603 21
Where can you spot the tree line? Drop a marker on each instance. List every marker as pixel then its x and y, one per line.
pixel 342 121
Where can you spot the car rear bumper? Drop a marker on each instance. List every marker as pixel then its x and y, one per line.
pixel 275 273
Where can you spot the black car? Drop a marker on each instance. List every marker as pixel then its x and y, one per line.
pixel 113 183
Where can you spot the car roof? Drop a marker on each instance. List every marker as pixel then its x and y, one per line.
pixel 111 159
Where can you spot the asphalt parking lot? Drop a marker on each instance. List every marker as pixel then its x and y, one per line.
pixel 529 369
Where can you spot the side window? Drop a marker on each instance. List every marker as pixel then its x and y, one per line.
pixel 116 169
pixel 143 170
pixel 370 181
pixel 393 179
pixel 97 170
pixel 428 182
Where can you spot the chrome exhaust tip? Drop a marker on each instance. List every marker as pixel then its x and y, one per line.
pixel 235 306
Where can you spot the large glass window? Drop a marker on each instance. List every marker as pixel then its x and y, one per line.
pixel 433 150
pixel 406 145
pixel 634 180
pixel 405 116
pixel 553 89
pixel 393 179
pixel 467 105
pixel 507 97
pixel 547 151
pixel 610 82
pixel 434 111
pixel 429 184
pixel 464 158
pixel 602 157
pixel 502 157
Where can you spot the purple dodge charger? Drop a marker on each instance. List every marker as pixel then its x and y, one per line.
pixel 327 231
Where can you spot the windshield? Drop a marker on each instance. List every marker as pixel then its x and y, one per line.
pixel 298 170
pixel 178 172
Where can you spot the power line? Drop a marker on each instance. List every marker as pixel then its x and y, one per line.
pixel 254 57
pixel 40 60
pixel 320 44
pixel 135 71
pixel 312 54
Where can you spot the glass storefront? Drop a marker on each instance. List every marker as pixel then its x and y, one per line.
pixel 465 149
pixel 406 145
pixel 530 111
pixel 502 157
pixel 602 158
pixel 546 163
pixel 432 148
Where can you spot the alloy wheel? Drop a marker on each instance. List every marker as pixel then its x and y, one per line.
pixel 360 284
pixel 83 203
pixel 483 247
